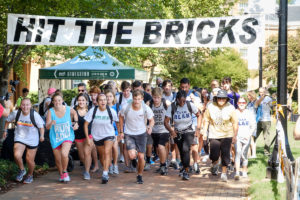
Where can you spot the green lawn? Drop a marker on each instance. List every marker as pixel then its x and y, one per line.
pixel 260 187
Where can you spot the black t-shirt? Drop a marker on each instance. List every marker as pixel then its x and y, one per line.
pixel 147 97
pixel 79 133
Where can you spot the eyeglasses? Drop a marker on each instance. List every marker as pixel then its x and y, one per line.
pixel 81 90
pixel 242 102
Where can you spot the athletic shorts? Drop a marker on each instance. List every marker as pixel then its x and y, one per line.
pixel 137 142
pixel 59 147
pixel 160 139
pixel 101 142
pixel 149 140
pixel 83 139
pixel 27 146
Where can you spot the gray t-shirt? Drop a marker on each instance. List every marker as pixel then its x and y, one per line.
pixel 25 131
pixel 159 118
pixel 182 116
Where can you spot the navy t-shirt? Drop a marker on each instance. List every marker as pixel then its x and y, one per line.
pixel 234 97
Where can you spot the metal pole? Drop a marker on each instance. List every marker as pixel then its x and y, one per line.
pixel 282 70
pixel 260 67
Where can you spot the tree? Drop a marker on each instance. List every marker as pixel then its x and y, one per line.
pixel 202 65
pixel 270 60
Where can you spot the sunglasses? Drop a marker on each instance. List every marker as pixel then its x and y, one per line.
pixel 81 90
pixel 221 98
pixel 242 102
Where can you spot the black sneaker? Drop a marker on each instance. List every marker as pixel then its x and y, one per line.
pixel 181 172
pixel 185 176
pixel 163 170
pixel 215 170
pixel 174 164
pixel 139 179
pixel 158 170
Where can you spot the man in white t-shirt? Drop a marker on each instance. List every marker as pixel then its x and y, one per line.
pixel 168 95
pixel 135 116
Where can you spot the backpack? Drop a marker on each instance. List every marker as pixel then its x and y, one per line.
pixel 144 110
pixel 109 114
pixel 120 102
pixel 41 107
pixel 31 117
pixel 174 109
pixel 163 101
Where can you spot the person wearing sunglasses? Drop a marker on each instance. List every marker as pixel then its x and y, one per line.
pixel 223 126
pixel 247 126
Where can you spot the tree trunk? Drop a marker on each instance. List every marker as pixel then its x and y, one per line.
pixel 151 73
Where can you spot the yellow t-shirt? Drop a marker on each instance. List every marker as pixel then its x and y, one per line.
pixel 220 120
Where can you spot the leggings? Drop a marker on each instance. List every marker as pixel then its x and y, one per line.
pixel 220 146
pixel 241 150
pixel 184 142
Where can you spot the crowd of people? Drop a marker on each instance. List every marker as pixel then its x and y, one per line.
pixel 139 125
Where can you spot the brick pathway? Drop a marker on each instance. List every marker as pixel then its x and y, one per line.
pixel 123 186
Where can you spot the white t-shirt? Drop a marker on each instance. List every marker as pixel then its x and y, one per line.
pixel 125 101
pixel 197 102
pixel 135 121
pixel 247 125
pixel 159 118
pixel 25 131
pixel 182 117
pixel 170 98
pixel 101 127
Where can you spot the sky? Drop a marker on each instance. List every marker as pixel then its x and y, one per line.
pixel 297 2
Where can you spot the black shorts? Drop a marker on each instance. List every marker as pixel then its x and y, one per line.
pixel 101 142
pixel 137 142
pixel 149 140
pixel 27 146
pixel 160 139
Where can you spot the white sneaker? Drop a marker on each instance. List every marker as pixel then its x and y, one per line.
pixel 245 175
pixel 111 169
pixel 116 169
pixel 205 158
pixel 224 177
pixel 237 176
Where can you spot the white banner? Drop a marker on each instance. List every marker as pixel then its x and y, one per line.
pixel 238 31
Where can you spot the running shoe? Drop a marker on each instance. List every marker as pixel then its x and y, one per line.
pixel 224 177
pixel 215 170
pixel 28 179
pixel 181 172
pixel 61 178
pixel 196 168
pixel 147 167
pixel 236 176
pixel 116 169
pixel 20 175
pixel 185 176
pixel 121 159
pixel 158 170
pixel 111 169
pixel 139 179
pixel 66 177
pixel 244 175
pixel 163 170
pixel 104 179
pixel 205 158
pixel 86 176
pixel 174 164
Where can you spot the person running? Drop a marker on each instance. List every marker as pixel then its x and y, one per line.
pixel 81 88
pixel 84 150
pixel 168 95
pixel 223 126
pixel 113 168
pixel 28 125
pixel 247 126
pixel 251 95
pixel 137 85
pixel 180 114
pixel 160 134
pixel 25 93
pixel 123 99
pixel 101 119
pixel 59 121
pixel 135 117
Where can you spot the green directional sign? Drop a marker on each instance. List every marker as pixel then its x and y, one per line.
pixel 87 74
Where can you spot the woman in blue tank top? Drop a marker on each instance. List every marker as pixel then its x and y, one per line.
pixel 59 121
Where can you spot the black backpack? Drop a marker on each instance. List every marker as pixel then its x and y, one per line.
pixel 120 102
pixel 109 114
pixel 41 107
pixel 31 117
pixel 174 109
pixel 163 101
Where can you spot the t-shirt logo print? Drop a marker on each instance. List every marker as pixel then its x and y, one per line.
pixel 62 131
pixel 181 115
pixel 219 120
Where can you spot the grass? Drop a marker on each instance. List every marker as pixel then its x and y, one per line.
pixel 260 187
